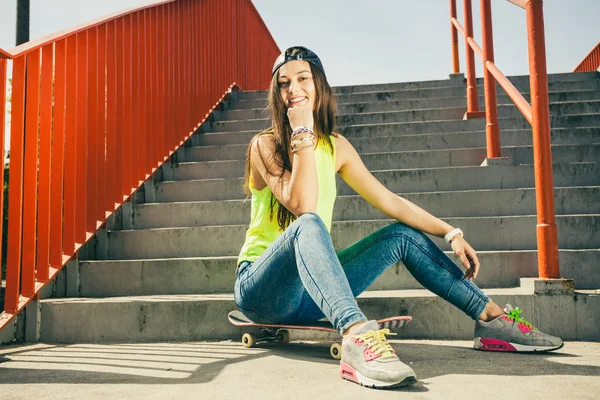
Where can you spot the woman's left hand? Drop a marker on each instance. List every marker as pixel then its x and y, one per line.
pixel 467 255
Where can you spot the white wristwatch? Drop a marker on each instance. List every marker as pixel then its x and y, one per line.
pixel 452 233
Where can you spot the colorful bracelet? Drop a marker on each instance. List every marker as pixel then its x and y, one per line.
pixel 302 148
pixel 300 130
pixel 306 139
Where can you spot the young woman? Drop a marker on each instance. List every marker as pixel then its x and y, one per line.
pixel 288 270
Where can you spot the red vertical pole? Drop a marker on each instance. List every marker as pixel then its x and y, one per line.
pixel 185 83
pixel 3 64
pixel 30 188
pixel 127 108
pixel 15 188
pixel 43 228
pixel 491 106
pixel 145 96
pixel 171 123
pixel 101 126
pixel 135 102
pixel 472 98
pixel 82 132
pixel 71 146
pixel 92 124
pixel 159 145
pixel 151 81
pixel 203 59
pixel 58 155
pixel 113 112
pixel 179 56
pixel 547 236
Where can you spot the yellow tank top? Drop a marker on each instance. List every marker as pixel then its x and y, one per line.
pixel 262 232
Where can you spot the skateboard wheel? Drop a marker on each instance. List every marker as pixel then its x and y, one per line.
pixel 284 334
pixel 336 351
pixel 249 340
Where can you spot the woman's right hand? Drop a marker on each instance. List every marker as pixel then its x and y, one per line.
pixel 300 116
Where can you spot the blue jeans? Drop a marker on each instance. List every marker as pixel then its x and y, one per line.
pixel 299 278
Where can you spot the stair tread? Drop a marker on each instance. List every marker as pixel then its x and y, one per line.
pixel 368 294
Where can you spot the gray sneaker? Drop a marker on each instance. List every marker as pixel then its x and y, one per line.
pixel 369 360
pixel 511 332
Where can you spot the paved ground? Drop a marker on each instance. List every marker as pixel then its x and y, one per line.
pixel 215 370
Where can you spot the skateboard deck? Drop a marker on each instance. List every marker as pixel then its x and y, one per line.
pixel 279 332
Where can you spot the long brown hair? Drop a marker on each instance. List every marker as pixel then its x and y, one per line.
pixel 324 117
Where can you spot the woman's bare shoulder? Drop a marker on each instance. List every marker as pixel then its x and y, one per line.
pixel 342 146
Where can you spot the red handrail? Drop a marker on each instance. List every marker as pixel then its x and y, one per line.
pixel 591 62
pixel 106 104
pixel 537 114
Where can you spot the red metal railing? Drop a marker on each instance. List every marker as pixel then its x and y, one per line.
pixel 538 113
pixel 591 62
pixel 98 108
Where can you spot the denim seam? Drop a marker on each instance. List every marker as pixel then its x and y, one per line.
pixel 431 257
pixel 313 280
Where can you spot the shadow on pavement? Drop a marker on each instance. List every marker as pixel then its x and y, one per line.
pixel 188 363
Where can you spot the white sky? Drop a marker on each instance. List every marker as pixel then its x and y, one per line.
pixel 370 41
pixel 376 41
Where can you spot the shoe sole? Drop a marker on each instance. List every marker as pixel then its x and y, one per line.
pixel 487 344
pixel 350 374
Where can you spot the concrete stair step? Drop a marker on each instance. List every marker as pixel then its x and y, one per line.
pixel 202 275
pixel 201 169
pixel 203 317
pixel 401 181
pixel 356 129
pixel 483 233
pixel 232 112
pixel 384 96
pixel 372 142
pixel 352 89
pixel 435 87
pixel 473 203
pixel 436 114
pixel 369 141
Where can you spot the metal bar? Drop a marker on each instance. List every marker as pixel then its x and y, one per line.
pixel 185 42
pixel 547 236
pixel 112 112
pixel 58 155
pixel 470 41
pixel 135 114
pixel 591 62
pixel 3 70
pixel 158 146
pixel 55 37
pixel 120 105
pixel 169 56
pixel 43 225
pixel 491 107
pixel 454 38
pixel 127 109
pixel 71 147
pixel 472 98
pixel 145 91
pixel 101 193
pixel 15 188
pixel 93 70
pixel 82 145
pixel 178 58
pixel 511 91
pixel 30 188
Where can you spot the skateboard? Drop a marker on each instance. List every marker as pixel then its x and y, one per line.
pixel 279 333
